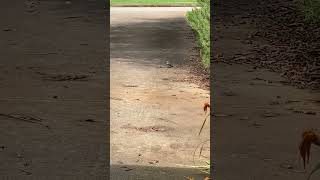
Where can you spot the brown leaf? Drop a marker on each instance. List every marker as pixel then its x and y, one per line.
pixel 205 107
pixel 207 178
pixel 308 138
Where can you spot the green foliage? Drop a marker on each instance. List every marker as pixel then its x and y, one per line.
pixel 199 20
pixel 311 10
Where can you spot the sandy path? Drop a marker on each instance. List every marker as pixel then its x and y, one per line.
pixel 155 113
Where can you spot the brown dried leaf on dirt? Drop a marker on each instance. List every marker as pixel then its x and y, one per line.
pixel 205 107
pixel 308 137
pixel 291 43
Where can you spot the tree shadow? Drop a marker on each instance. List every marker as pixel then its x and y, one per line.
pixel 153 41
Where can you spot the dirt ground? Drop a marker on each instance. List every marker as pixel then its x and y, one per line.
pixel 156 112
pixel 53 94
pixel 262 100
pixel 53 90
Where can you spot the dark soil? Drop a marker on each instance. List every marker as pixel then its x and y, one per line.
pixel 264 53
pixel 199 74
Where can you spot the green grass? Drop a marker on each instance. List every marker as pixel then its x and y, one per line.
pixel 199 19
pixel 311 10
pixel 152 2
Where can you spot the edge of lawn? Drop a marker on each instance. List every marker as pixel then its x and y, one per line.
pixel 154 5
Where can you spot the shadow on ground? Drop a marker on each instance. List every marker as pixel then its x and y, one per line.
pixel 128 172
pixel 154 38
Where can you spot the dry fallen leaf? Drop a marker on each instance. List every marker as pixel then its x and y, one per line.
pixel 308 137
pixel 207 178
pixel 205 107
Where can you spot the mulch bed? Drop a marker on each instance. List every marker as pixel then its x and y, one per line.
pixel 283 42
pixel 293 47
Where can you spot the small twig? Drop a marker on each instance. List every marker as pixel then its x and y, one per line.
pixel 205 119
pixel 203 156
pixel 27 172
pixel 194 152
pixel 25 118
pixel 42 54
pixel 200 153
pixel 73 17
